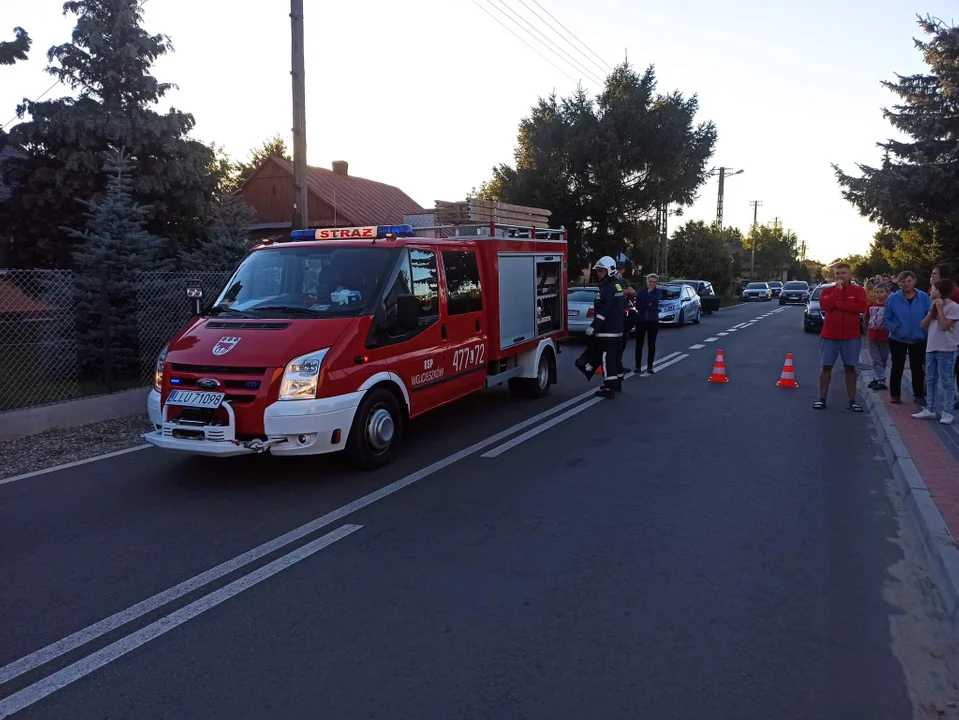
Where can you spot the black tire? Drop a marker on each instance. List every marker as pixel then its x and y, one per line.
pixel 538 386
pixel 682 319
pixel 362 446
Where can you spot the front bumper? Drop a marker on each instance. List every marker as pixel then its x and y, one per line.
pixel 812 322
pixel 293 427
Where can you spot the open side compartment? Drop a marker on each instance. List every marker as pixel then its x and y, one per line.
pixel 531 303
pixel 550 309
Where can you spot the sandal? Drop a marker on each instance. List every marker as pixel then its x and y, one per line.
pixel 855 407
pixel 819 405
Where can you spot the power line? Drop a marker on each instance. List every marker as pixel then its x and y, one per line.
pixel 573 62
pixel 42 95
pixel 523 41
pixel 574 37
pixel 546 22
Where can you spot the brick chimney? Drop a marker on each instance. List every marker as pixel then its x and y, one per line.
pixel 341 167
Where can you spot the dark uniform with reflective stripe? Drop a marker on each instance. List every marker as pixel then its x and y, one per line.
pixel 610 312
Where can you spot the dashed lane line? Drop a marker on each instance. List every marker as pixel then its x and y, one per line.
pixel 696 347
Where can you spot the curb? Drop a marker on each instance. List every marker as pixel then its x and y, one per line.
pixel 941 549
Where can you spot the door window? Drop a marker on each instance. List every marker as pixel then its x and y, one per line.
pixel 463 291
pixel 426 284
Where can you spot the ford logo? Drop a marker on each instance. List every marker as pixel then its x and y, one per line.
pixel 208 384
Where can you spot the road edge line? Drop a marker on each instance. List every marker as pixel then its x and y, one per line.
pixel 75 463
pixel 940 548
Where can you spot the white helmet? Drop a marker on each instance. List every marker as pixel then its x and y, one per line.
pixel 606 263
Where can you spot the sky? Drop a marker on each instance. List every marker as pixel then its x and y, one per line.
pixel 427 95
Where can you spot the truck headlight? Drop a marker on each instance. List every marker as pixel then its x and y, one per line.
pixel 158 371
pixel 302 376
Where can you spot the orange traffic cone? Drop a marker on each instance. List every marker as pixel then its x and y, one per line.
pixel 788 378
pixel 719 369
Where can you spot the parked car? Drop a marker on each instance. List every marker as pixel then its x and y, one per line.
pixel 794 291
pixel 776 287
pixel 679 304
pixel 579 309
pixel 708 298
pixel 757 291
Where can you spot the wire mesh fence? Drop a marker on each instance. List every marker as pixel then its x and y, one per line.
pixel 65 335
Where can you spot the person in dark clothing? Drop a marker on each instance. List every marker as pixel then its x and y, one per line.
pixel 903 319
pixel 607 325
pixel 647 321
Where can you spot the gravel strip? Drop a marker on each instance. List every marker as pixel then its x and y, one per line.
pixel 56 447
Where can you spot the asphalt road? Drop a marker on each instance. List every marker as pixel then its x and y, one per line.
pixel 685 550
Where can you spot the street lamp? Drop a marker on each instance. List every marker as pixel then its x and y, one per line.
pixel 722 172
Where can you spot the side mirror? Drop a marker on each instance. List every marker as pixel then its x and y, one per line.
pixel 194 294
pixel 408 309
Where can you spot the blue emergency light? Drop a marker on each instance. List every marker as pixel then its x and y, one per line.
pixel 371 232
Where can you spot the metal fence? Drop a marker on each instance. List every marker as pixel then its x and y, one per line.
pixel 65 335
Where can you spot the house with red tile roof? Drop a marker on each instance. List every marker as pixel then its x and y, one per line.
pixel 337 199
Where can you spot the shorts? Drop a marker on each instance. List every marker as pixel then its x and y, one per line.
pixel 831 350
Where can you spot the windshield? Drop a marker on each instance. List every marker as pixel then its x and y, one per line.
pixel 670 292
pixel 333 281
pixel 756 286
pixel 797 286
pixel 775 284
pixel 816 293
pixel 582 296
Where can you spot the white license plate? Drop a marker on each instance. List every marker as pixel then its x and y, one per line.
pixel 194 399
pixel 572 313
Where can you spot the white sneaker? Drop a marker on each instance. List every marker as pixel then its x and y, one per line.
pixel 925 414
pixel 947 419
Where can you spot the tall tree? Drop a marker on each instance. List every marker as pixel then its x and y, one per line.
pixel 604 166
pixel 271 147
pixel 111 253
pixel 108 65
pixel 916 187
pixel 698 251
pixel 16 49
pixel 776 251
pixel 229 238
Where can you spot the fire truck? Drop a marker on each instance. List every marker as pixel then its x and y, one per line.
pixel 336 339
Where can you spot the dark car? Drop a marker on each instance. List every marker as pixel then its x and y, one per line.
pixel 776 287
pixel 708 298
pixel 813 317
pixel 794 291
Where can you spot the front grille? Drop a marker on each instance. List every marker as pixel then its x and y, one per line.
pixel 217 370
pixel 234 384
pixel 241 325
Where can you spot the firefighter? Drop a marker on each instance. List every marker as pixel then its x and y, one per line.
pixel 607 325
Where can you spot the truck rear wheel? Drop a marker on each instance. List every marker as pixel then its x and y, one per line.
pixel 377 431
pixel 538 386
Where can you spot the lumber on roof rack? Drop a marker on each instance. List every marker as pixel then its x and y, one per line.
pixel 483 211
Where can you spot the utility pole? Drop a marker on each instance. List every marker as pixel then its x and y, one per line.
pixel 752 263
pixel 722 190
pixel 301 198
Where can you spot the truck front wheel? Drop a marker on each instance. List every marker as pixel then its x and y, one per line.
pixel 377 431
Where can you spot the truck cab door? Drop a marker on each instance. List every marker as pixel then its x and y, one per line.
pixel 419 355
pixel 465 319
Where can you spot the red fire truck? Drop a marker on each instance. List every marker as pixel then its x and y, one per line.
pixel 337 339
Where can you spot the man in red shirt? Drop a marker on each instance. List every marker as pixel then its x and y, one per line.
pixel 843 305
pixel 944 272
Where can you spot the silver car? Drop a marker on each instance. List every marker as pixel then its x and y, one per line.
pixel 580 313
pixel 757 291
pixel 678 305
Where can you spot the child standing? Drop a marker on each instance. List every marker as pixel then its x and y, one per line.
pixel 941 349
pixel 877 336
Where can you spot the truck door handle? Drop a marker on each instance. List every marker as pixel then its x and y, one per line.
pixel 479 325
pixel 443 331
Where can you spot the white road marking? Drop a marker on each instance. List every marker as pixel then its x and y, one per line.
pixel 731 330
pixel 666 365
pixel 81 637
pixel 496 452
pixel 35 473
pixel 742 324
pixel 696 347
pixel 723 334
pixel 711 339
pixel 60 679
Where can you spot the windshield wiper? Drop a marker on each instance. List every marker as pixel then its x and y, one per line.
pixel 301 311
pixel 225 309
